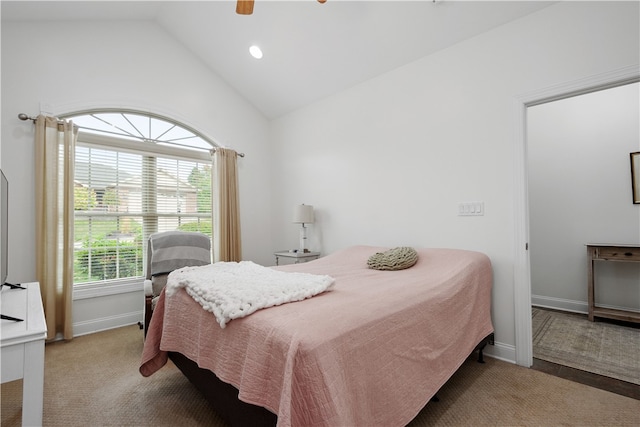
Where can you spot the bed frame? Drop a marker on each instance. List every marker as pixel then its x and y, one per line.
pixel 223 397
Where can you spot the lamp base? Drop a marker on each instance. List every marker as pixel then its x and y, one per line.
pixel 303 239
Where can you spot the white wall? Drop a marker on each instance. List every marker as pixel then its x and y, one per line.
pixel 386 162
pixel 579 193
pixel 73 66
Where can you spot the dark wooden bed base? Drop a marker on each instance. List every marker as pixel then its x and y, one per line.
pixel 223 397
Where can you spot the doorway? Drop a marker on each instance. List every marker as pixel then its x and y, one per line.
pixel 580 192
pixel 522 273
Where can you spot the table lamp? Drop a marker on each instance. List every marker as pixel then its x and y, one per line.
pixel 303 214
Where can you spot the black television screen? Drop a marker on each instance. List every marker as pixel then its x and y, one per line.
pixel 4 224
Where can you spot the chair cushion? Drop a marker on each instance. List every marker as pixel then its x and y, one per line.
pixel 170 250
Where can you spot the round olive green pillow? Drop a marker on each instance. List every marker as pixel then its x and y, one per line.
pixel 393 259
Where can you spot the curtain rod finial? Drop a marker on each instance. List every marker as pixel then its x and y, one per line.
pixel 25 117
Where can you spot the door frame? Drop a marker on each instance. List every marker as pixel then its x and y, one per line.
pixel 521 267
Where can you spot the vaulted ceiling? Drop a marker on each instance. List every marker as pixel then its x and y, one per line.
pixel 311 50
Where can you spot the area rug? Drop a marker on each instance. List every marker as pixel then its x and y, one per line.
pixel 598 347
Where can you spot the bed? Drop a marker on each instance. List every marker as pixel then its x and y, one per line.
pixel 373 350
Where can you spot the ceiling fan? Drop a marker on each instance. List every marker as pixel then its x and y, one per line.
pixel 245 7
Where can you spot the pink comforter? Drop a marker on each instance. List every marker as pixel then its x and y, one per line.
pixel 371 352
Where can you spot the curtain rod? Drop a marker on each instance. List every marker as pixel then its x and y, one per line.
pixel 25 117
pixel 213 150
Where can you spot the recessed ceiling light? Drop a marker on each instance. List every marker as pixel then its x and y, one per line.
pixel 255 51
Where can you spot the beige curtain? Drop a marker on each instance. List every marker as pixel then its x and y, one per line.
pixel 226 206
pixel 54 154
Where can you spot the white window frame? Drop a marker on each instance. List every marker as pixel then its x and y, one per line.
pixel 123 144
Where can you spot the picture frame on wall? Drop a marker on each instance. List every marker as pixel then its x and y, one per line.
pixel 635 176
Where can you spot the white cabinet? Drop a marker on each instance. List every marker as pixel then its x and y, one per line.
pixel 22 347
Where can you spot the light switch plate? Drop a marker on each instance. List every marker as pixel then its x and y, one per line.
pixel 470 208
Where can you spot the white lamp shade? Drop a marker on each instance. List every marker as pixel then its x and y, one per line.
pixel 303 214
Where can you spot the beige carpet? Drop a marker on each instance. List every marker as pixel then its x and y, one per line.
pixel 599 347
pixel 94 381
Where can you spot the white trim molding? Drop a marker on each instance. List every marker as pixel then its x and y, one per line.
pixel 115 287
pixel 501 351
pixel 106 323
pixel 572 306
pixel 560 304
pixel 521 270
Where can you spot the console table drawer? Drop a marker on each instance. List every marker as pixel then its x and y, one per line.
pixel 618 253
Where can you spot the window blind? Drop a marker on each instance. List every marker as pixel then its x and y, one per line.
pixel 122 196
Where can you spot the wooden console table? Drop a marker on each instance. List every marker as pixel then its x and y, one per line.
pixel 604 252
pixel 22 347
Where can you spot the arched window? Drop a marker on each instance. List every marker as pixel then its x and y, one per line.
pixel 135 174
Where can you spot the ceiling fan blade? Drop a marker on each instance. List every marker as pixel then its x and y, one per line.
pixel 244 7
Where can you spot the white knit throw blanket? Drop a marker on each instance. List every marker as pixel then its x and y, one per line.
pixel 231 290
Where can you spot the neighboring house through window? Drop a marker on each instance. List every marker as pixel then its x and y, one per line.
pixel 135 174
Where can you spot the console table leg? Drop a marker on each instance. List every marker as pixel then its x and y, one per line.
pixel 590 291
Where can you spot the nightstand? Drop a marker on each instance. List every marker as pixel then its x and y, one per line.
pixel 297 257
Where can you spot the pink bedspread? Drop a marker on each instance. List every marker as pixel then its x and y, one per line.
pixel 371 352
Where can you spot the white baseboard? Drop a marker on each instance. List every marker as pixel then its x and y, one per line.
pixel 106 323
pixel 570 305
pixel 560 304
pixel 501 351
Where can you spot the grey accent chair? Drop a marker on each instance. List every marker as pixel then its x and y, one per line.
pixel 168 251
